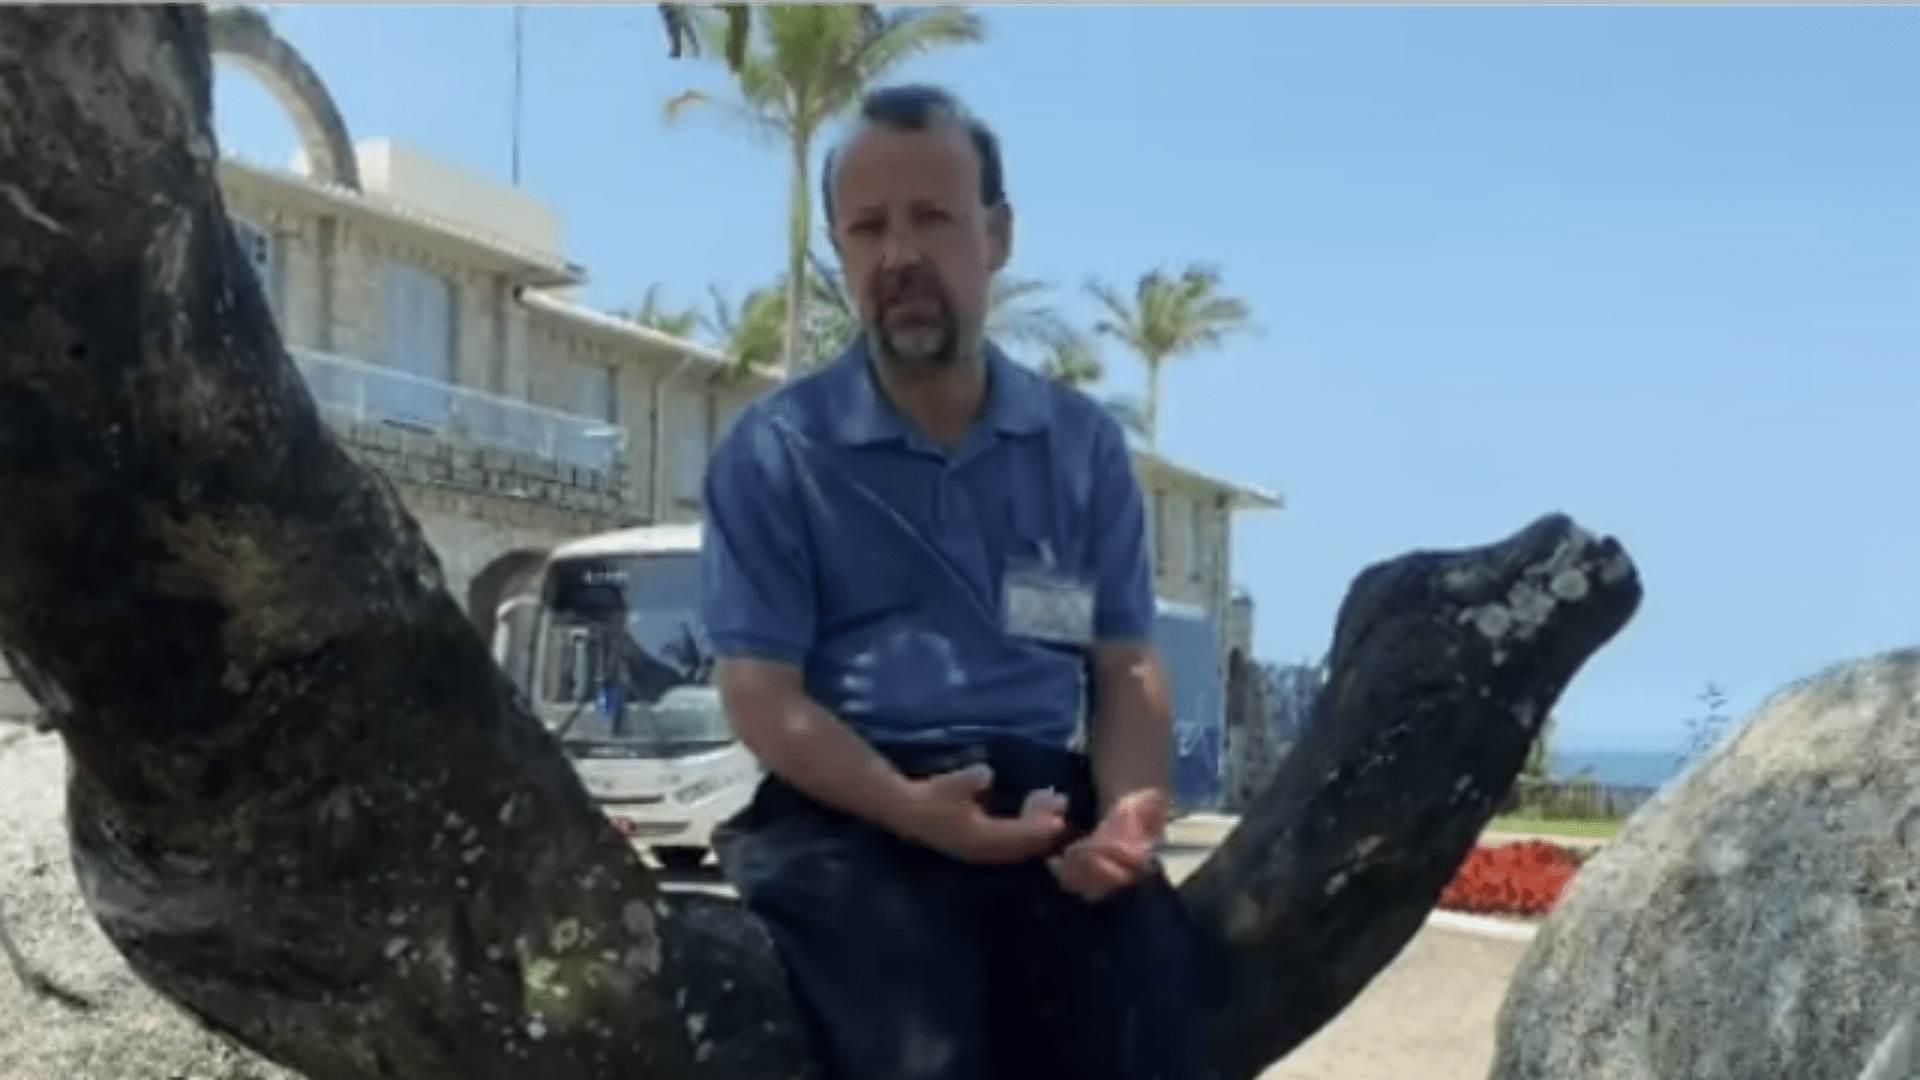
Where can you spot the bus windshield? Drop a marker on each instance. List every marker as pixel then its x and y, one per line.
pixel 626 660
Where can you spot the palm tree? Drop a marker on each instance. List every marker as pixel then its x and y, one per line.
pixel 832 319
pixel 803 66
pixel 1019 321
pixel 749 331
pixel 1073 360
pixel 655 315
pixel 1167 318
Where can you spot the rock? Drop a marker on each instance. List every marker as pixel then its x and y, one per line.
pixel 1760 917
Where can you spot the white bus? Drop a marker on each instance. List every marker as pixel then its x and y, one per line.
pixel 609 648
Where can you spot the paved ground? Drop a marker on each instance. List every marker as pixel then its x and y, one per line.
pixel 1430 1015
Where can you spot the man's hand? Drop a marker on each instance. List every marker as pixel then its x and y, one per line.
pixel 944 812
pixel 1119 853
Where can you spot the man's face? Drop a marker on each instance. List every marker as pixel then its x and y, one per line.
pixel 917 247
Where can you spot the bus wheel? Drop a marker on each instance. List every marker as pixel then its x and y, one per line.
pixel 680 858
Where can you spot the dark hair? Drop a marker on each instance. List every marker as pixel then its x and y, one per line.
pixel 916 107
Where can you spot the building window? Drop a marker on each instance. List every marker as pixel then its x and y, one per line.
pixel 594 397
pixel 263 255
pixel 595 394
pixel 418 307
pixel 692 438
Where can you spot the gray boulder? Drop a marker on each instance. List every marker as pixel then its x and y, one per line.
pixel 1760 918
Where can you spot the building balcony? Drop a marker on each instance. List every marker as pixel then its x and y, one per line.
pixel 436 437
pixel 361 394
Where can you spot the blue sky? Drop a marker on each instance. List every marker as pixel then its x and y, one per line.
pixel 1655 267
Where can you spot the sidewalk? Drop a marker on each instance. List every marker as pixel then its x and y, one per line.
pixel 1430 1014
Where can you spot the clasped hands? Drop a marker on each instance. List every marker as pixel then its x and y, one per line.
pixel 947 815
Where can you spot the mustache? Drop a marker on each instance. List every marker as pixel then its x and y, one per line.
pixel 914 284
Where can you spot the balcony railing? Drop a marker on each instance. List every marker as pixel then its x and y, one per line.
pixel 369 393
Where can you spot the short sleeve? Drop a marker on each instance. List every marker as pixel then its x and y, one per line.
pixel 756 564
pixel 1123 571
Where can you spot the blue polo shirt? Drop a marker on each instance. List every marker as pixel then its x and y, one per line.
pixel 841 541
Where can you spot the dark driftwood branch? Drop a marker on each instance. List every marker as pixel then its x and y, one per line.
pixel 307 807
pixel 1444 667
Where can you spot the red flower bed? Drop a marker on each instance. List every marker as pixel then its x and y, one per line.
pixel 1524 878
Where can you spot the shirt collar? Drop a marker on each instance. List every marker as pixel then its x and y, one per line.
pixel 1019 402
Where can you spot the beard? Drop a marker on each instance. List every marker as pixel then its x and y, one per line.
pixel 914 327
pixel 918 347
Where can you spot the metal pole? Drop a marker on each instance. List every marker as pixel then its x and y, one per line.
pixel 519 13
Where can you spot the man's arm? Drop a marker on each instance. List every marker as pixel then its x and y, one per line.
pixel 802 743
pixel 758 605
pixel 1130 733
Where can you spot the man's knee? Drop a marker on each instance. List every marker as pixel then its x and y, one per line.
pixel 878 948
pixel 1116 988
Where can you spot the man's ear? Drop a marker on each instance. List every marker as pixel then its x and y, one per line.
pixel 1000 235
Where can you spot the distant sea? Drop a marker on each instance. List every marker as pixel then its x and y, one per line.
pixel 1626 768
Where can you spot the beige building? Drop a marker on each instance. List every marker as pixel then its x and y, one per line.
pixel 430 313
pixel 430 309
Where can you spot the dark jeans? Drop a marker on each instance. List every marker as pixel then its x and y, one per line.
pixel 909 965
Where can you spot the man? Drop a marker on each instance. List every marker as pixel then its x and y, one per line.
pixel 922 563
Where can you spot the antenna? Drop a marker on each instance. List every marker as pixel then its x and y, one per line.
pixel 519 20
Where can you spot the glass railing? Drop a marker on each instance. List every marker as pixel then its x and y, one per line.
pixel 368 393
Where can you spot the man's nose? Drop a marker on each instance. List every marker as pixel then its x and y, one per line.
pixel 899 251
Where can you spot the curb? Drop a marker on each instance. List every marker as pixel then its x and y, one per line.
pixel 1474 924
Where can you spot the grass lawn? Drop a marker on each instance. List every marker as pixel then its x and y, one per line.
pixel 1596 830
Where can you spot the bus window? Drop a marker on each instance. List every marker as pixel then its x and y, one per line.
pixel 515 640
pixel 626 658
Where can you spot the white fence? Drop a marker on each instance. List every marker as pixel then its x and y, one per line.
pixel 370 393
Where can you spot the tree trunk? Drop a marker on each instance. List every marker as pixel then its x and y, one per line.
pixel 799 228
pixel 1154 366
pixel 306 805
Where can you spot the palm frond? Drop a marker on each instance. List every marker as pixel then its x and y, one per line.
pixel 905 33
pixel 826 285
pixel 1073 361
pixel 1119 320
pixel 1018 319
pixel 754 123
pixel 1168 317
pixel 654 314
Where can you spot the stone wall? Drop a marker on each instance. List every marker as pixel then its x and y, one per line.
pixel 407 457
pixel 478 504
